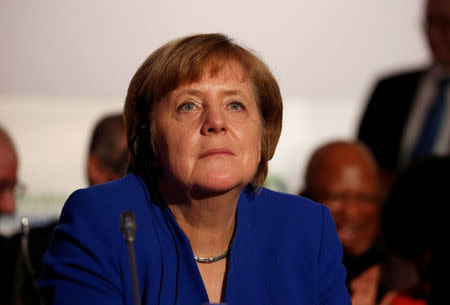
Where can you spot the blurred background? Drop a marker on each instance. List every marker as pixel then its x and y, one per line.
pixel 64 64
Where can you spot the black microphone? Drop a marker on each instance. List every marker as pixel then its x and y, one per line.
pixel 128 228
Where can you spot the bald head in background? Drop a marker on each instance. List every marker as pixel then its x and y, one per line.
pixel 344 176
pixel 8 173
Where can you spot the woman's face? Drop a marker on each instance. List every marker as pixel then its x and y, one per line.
pixel 208 133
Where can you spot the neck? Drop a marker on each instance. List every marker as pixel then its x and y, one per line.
pixel 208 222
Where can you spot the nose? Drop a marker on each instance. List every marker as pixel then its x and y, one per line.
pixel 352 209
pixel 214 122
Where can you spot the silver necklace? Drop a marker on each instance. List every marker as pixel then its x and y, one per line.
pixel 212 259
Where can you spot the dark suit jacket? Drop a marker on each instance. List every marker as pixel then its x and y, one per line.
pixel 8 253
pixel 17 281
pixel 383 123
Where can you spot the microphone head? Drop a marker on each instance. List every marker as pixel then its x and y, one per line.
pixel 24 225
pixel 128 225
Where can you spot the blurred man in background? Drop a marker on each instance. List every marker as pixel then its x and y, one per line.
pixel 8 182
pixel 107 160
pixel 8 173
pixel 108 153
pixel 408 115
pixel 344 176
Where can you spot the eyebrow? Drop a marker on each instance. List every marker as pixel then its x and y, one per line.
pixel 192 92
pixel 233 92
pixel 227 92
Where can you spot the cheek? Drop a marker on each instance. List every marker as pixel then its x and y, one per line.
pixel 255 147
pixel 260 144
pixel 181 151
pixel 165 146
pixel 370 211
pixel 258 148
pixel 172 148
pixel 333 205
pixel 158 141
pixel 249 138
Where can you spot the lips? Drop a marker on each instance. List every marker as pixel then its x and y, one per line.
pixel 217 152
pixel 347 234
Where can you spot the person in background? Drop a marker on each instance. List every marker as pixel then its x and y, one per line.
pixel 344 176
pixel 417 228
pixel 107 160
pixel 407 116
pixel 8 182
pixel 108 152
pixel 8 173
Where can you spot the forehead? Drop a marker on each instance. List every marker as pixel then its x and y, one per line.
pixel 226 70
pixel 354 175
pixel 342 172
pixel 228 79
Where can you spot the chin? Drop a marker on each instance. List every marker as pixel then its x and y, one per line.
pixel 354 250
pixel 218 185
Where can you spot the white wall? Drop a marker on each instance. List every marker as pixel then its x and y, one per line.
pixel 52 137
pixel 317 49
pixel 65 63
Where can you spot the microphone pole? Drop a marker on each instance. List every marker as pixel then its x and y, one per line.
pixel 25 249
pixel 128 228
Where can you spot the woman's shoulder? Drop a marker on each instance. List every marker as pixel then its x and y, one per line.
pixel 87 244
pixel 296 236
pixel 94 213
pixel 123 192
pixel 285 204
pixel 104 203
pixel 287 211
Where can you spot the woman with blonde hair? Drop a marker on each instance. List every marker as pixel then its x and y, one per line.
pixel 203 117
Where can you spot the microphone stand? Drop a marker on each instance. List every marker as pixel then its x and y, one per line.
pixel 128 228
pixel 24 242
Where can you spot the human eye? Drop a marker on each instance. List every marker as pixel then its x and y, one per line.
pixel 187 106
pixel 236 106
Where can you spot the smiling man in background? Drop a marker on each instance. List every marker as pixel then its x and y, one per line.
pixel 344 176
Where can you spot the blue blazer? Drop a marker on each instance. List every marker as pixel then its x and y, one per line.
pixel 285 250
